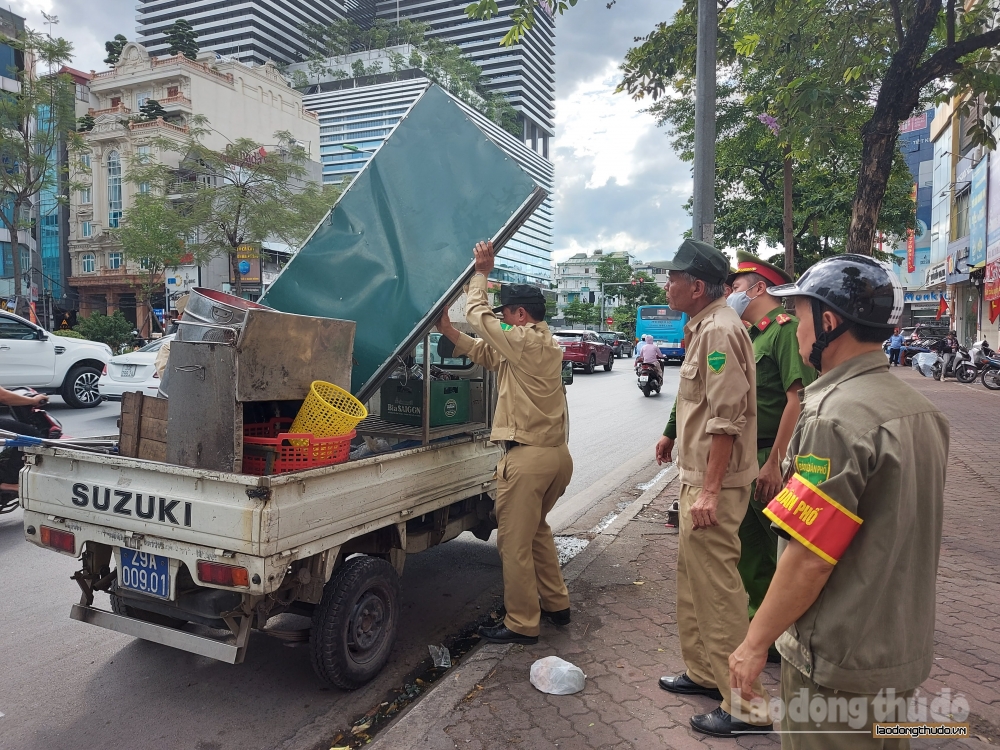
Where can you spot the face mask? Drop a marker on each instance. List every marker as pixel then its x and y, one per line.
pixel 739 301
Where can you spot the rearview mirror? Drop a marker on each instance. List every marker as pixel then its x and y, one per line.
pixel 567 373
pixel 41 335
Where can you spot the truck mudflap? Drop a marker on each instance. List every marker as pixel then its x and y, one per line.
pixel 230 649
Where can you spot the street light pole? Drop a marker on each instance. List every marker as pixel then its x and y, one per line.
pixel 703 208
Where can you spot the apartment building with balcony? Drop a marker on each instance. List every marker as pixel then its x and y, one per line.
pixel 239 101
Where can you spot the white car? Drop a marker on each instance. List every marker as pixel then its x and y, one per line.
pixel 132 372
pixel 31 356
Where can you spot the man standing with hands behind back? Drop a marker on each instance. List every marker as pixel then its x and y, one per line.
pixel 716 426
pixel 530 423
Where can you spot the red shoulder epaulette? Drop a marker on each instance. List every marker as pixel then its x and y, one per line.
pixel 782 319
pixel 748 324
pixel 764 323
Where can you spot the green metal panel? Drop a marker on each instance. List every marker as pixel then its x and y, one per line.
pixel 402 234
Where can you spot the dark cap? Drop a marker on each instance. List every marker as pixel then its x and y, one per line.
pixel 750 263
pixel 514 295
pixel 700 260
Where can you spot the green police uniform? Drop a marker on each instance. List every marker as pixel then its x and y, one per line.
pixel 779 365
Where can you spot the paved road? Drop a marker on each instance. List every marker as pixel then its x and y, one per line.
pixel 69 685
pixel 101 420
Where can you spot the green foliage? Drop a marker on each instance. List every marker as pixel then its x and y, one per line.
pixel 114 49
pixel 151 110
pixel 113 330
pixel 182 39
pixel 358 68
pixel 33 125
pixel 586 313
pixel 85 123
pixel 242 195
pixel 522 16
pixel 68 333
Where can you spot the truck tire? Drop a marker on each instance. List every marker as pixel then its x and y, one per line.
pixel 354 626
pixel 80 387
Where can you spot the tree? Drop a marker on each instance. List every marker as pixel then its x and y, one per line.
pixel 522 16
pixel 245 194
pixel 33 125
pixel 114 330
pixel 182 39
pixel 114 49
pixel 152 236
pixel 581 312
pixel 151 110
pixel 85 123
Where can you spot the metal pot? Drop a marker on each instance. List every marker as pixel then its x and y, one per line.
pixel 214 316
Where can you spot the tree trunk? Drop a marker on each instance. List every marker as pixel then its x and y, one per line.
pixel 234 263
pixel 15 248
pixel 787 219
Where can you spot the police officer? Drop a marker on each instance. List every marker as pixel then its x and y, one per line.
pixel 852 600
pixel 781 374
pixel 530 423
pixel 715 427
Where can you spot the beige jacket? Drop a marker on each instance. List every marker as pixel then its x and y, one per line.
pixel 531 407
pixel 716 396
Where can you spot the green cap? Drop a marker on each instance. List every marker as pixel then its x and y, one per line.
pixel 701 260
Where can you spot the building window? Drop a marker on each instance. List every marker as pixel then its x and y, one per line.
pixel 114 190
pixel 142 98
pixel 114 261
pixel 87 263
pixel 85 196
pixel 85 160
pixel 86 230
pixel 116 101
pixel 144 188
pixel 82 92
pixel 173 91
pixel 143 152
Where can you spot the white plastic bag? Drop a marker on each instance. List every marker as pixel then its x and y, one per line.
pixel 557 677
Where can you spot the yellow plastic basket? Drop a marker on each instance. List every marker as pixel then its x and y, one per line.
pixel 328 411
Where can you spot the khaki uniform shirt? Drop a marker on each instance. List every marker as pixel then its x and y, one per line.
pixel 717 396
pixel 531 406
pixel 779 364
pixel 866 476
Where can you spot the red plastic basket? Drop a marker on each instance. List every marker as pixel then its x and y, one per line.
pixel 268 450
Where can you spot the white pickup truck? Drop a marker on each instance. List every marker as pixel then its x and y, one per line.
pixel 187 552
pixel 31 356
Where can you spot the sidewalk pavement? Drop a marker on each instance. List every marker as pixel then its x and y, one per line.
pixel 623 633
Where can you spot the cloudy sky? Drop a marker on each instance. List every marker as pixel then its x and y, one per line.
pixel 619 186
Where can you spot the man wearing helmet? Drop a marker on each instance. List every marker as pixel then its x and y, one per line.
pixel 852 600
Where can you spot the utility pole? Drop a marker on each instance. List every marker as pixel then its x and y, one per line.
pixel 704 122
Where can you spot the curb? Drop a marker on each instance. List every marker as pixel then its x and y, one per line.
pixel 425 721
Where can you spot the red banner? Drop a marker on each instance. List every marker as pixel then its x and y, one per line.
pixel 992 289
pixel 911 251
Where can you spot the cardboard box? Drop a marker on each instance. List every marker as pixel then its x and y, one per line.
pixel 403 403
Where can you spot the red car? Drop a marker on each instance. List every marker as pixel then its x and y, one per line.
pixel 585 349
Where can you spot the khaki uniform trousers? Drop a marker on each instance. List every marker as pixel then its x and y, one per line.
pixel 843 706
pixel 529 481
pixel 712 618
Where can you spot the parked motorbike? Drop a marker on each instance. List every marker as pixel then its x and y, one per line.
pixel 40 422
pixel 990 376
pixel 649 379
pixel 974 359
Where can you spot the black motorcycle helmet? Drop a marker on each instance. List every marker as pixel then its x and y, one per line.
pixel 858 288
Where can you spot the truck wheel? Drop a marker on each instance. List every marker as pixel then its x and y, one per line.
pixel 80 387
pixel 591 365
pixel 354 626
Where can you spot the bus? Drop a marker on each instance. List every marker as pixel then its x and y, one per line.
pixel 666 327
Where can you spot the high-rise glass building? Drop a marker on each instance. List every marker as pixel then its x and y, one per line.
pixel 525 72
pixel 253 31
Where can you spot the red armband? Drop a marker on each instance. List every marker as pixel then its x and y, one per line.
pixel 813 518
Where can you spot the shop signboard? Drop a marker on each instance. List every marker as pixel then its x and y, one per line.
pixel 936 274
pixel 977 215
pixel 991 289
pixel 993 211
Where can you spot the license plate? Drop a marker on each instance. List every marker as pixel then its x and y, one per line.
pixel 128 371
pixel 145 573
pixel 644 378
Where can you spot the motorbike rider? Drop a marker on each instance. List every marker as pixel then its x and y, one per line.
pixel 946 347
pixel 649 354
pixel 10 459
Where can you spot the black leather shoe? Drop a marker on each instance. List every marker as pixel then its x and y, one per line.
pixel 557 618
pixel 684 685
pixel 502 634
pixel 720 724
